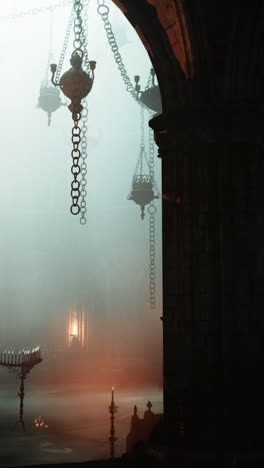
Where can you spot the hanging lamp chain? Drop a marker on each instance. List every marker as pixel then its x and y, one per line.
pixel 50 53
pixel 151 160
pixel 86 64
pixel 152 211
pixel 152 223
pixel 150 80
pixel 65 45
pixel 36 11
pixel 83 183
pixel 142 141
pixel 152 253
pixel 103 11
pixel 76 116
pixel 84 119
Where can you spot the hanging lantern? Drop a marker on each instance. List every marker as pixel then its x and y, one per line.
pixel 151 96
pixel 142 192
pixel 143 185
pixel 76 84
pixel 49 99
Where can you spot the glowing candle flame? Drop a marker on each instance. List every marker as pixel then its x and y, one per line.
pixel 74 328
pixel 39 422
pixel 77 327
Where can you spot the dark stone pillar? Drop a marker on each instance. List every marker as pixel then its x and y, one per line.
pixel 213 231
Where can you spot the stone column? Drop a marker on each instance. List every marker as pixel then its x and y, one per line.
pixel 212 250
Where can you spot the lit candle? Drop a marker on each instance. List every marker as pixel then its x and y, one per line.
pixel 113 393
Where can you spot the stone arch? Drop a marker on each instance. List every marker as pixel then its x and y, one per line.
pixel 166 38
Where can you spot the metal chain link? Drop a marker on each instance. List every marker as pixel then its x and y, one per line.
pixel 142 140
pixel 152 225
pixel 75 169
pixel 36 11
pixel 84 118
pixel 149 81
pixel 86 63
pixel 151 159
pixel 50 53
pixel 103 11
pixel 83 183
pixel 77 29
pixel 142 153
pixel 65 45
pixel 76 116
pixel 152 267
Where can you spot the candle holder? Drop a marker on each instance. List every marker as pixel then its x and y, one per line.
pixel 20 364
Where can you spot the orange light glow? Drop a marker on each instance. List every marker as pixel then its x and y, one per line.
pixel 39 422
pixel 74 330
pixel 77 327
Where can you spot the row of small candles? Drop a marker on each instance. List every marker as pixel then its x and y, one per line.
pixel 10 357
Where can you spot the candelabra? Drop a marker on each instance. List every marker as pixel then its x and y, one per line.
pixel 112 439
pixel 21 364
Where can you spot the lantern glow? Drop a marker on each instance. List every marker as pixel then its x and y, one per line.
pixel 77 329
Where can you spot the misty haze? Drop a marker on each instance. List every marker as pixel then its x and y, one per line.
pixel 79 292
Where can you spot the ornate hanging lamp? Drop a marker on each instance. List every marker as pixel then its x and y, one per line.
pixel 49 97
pixel 143 185
pixel 144 192
pixel 76 85
pixel 150 97
pixel 144 189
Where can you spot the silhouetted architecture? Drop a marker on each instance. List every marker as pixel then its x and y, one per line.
pixel 141 429
pixel 112 410
pixel 208 58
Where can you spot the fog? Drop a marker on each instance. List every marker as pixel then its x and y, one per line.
pixel 51 265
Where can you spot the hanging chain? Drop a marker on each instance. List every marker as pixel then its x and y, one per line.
pixel 83 191
pixel 65 45
pixel 142 141
pixel 152 226
pixel 36 11
pixel 84 118
pixel 103 11
pixel 75 169
pixel 151 159
pixel 152 267
pixel 76 116
pixel 149 81
pixel 78 29
pixel 50 54
pixel 86 63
